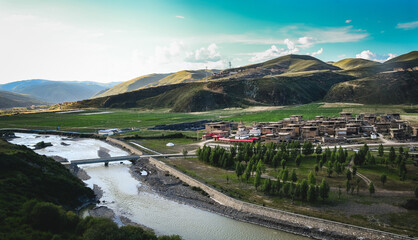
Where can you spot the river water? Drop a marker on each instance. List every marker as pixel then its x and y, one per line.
pixel 121 194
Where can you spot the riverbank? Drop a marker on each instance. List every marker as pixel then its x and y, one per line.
pixel 269 217
pixel 174 189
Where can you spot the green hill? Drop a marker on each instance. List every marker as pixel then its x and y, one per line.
pixel 36 193
pixel 285 64
pixel 352 63
pixel 132 84
pixel 405 61
pixel 183 77
pixel 202 96
pixel 382 88
pixel 10 99
pixel 154 80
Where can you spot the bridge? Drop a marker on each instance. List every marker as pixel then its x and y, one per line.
pixel 117 159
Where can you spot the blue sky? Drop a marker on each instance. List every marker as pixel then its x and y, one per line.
pixel 118 40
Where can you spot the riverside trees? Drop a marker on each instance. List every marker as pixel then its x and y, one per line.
pixel 250 161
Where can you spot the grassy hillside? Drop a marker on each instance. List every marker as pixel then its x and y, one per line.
pixel 183 77
pixel 382 88
pixel 352 63
pixel 297 63
pixel 132 84
pixel 154 80
pixel 404 61
pixel 10 99
pixel 281 65
pixel 204 96
pixel 35 194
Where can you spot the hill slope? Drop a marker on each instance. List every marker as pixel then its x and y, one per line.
pixel 202 96
pixel 55 91
pixel 10 99
pixel 132 84
pixel 382 88
pixel 352 63
pixel 284 64
pixel 153 80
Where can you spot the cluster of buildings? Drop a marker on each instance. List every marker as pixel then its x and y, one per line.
pixel 321 129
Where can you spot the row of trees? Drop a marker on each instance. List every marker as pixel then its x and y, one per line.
pixel 305 190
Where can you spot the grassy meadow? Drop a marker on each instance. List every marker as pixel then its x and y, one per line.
pixel 94 119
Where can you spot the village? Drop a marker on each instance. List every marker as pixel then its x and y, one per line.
pixel 331 130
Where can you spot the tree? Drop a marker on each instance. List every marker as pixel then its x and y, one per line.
pixel 294 177
pixel 283 163
pixel 380 151
pixel 285 189
pixel 311 195
pixel 348 174
pixel 298 160
pixel 329 169
pixel 285 174
pixel 354 171
pixel 267 185
pixel 316 169
pixel 324 190
pixel 318 149
pixel 257 179
pixel 307 148
pixel 239 169
pixel 392 155
pixel 371 188
pixel 304 189
pixel 383 179
pixel 347 186
pixel 311 178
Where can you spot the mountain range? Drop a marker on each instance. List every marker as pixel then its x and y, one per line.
pixel 291 79
pixel 47 91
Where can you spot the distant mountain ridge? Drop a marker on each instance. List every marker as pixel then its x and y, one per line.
pixel 56 91
pixel 11 99
pixel 291 79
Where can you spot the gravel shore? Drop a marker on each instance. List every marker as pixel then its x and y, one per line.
pixel 172 188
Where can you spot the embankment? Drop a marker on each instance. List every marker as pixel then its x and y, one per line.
pixel 274 218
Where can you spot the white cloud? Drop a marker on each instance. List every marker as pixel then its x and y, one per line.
pixel 290 45
pixel 317 52
pixel 341 55
pixel 181 17
pixel 367 54
pixel 306 42
pixel 203 55
pixel 273 52
pixel 408 25
pixel 164 54
pixel 391 55
pixel 348 21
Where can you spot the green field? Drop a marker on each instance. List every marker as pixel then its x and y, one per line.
pixel 128 118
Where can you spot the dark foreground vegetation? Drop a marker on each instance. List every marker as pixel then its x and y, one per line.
pixel 37 196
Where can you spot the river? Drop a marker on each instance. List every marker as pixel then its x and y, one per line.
pixel 121 194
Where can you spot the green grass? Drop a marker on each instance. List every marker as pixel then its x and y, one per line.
pixel 159 145
pixel 128 118
pixel 216 177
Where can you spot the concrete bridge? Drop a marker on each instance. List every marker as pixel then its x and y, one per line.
pixel 117 159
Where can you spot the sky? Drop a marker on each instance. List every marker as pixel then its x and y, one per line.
pixel 114 41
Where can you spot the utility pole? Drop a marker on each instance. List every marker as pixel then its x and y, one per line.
pixel 206 72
